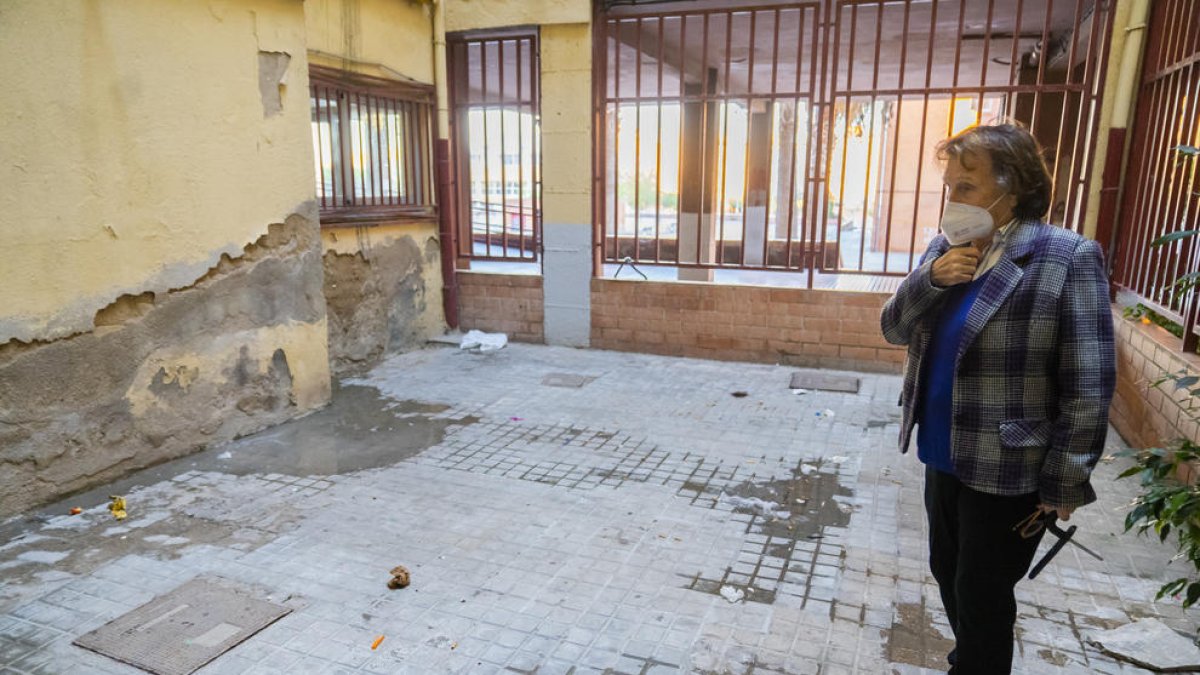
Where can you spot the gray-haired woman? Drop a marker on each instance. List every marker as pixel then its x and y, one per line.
pixel 1011 368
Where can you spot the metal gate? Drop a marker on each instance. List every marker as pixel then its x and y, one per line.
pixel 797 135
pixel 1161 188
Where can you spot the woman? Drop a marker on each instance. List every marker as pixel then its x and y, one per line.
pixel 1011 367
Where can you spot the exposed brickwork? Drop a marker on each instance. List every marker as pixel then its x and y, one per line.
pixel 1144 415
pixel 502 303
pixel 743 323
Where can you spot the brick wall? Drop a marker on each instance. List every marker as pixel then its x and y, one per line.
pixel 501 303
pixel 793 326
pixel 1147 416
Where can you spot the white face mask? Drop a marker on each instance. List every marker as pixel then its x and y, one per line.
pixel 962 223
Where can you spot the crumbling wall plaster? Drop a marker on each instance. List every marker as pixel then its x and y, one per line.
pixel 383 291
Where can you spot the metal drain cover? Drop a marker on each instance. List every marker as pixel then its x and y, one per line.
pixel 825 382
pixel 567 380
pixel 177 633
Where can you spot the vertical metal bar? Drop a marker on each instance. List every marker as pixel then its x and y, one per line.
pixel 705 99
pixel 791 203
pixel 680 140
pixel 846 123
pixel 521 149
pixel 414 141
pixel 767 229
pixel 379 150
pixel 1185 167
pixel 912 241
pixel 501 111
pixel 637 149
pixel 320 150
pixel 487 178
pixel 725 135
pixel 1150 161
pixel 987 52
pixel 658 135
pixel 862 240
pixel 887 236
pixel 359 178
pixel 1042 58
pixel 535 90
pixel 1066 104
pixel 389 136
pixel 617 140
pixel 1014 64
pixel 1165 159
pixel 814 188
pixel 749 135
pixel 1086 124
pixel 962 15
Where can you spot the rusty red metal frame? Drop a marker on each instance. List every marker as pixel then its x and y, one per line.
pixel 1163 183
pixel 832 29
pixel 389 112
pixel 517 234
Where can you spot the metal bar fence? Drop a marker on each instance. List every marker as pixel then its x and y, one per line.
pixel 495 122
pixel 1162 193
pixel 822 160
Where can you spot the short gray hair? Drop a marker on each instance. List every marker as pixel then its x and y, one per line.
pixel 1016 158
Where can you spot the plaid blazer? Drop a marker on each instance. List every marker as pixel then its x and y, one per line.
pixel 1035 369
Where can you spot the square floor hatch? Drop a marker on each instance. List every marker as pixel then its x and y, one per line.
pixel 825 382
pixel 177 633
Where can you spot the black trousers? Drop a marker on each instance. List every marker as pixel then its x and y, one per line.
pixel 977 560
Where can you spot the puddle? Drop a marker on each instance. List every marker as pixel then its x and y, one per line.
pixel 1050 656
pixel 914 640
pixel 359 430
pixel 805 504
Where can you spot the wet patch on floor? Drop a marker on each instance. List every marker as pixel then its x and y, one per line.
pixel 785 551
pixel 360 430
pixel 1053 657
pixel 914 640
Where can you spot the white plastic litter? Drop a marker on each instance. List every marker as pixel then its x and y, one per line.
pixel 484 342
pixel 225 455
pixel 732 594
pixel 806 469
pixel 760 506
pixel 799 392
pixel 825 413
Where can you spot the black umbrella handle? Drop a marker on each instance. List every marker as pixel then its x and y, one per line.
pixel 1063 538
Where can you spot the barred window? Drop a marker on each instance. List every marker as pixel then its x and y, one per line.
pixel 372 146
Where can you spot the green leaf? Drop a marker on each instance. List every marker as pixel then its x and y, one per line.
pixel 1131 471
pixel 1188 381
pixel 1170 588
pixel 1193 594
pixel 1174 236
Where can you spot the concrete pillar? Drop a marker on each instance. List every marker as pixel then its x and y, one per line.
pixel 698 182
pixel 566 183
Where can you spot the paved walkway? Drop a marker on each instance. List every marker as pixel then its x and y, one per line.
pixel 560 511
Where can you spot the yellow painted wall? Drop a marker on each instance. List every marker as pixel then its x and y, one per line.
pixel 136 152
pixel 385 38
pixel 476 14
pixel 1112 98
pixel 566 123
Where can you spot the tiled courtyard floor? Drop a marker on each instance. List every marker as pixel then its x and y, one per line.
pixel 560 511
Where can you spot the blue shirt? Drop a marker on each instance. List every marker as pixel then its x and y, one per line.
pixel 937 382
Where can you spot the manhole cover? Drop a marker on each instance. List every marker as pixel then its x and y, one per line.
pixel 566 380
pixel 176 633
pixel 825 382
